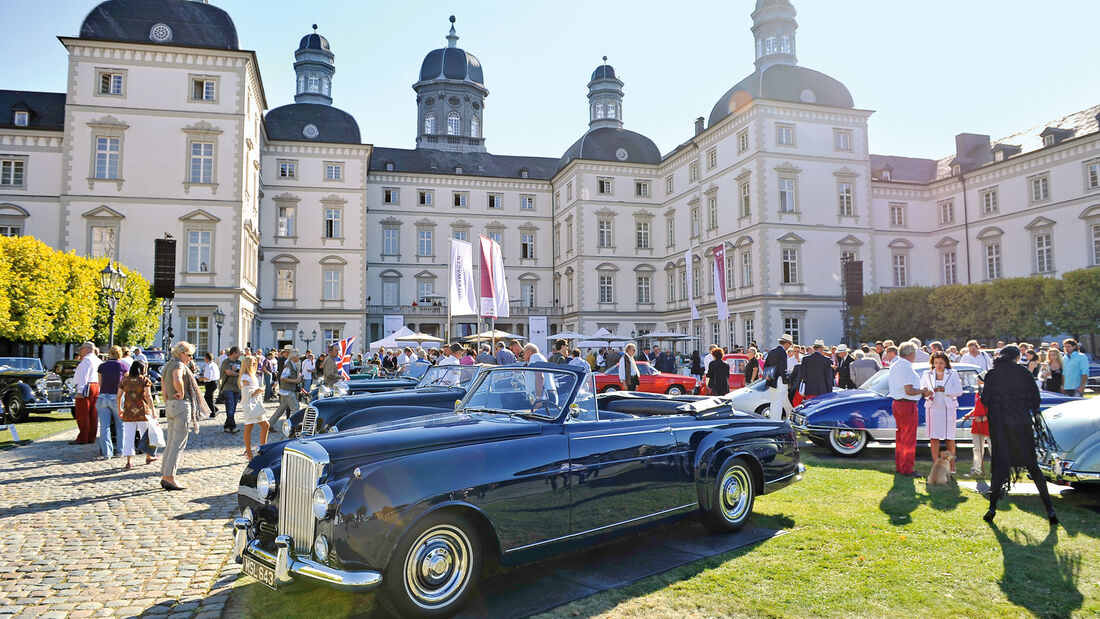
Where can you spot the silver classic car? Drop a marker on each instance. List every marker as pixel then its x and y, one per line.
pixel 1075 459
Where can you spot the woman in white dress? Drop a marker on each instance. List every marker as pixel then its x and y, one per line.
pixel 940 409
pixel 252 404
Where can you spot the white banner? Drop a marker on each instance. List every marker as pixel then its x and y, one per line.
pixel 500 284
pixel 536 331
pixel 720 276
pixel 690 274
pixel 461 294
pixel 391 323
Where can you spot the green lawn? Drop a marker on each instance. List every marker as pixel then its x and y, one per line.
pixel 860 542
pixel 39 424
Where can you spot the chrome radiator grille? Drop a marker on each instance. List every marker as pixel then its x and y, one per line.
pixel 309 421
pixel 297 482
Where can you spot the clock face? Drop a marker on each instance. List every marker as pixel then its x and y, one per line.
pixel 622 154
pixel 310 131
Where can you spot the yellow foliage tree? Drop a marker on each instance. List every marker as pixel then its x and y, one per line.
pixel 35 286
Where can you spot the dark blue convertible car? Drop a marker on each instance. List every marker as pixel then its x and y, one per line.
pixel 530 463
pixel 846 421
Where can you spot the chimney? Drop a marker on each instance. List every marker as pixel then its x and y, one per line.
pixel 972 151
pixel 699 125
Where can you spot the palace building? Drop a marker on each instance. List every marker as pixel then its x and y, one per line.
pixel 289 220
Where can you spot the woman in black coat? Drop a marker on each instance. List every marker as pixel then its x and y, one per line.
pixel 718 374
pixel 1012 400
pixel 696 365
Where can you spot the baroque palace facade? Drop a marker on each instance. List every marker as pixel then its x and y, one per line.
pixel 289 220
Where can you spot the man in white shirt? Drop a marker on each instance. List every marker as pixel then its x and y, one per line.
pixel 140 356
pixel 975 356
pixel 922 357
pixel 290 380
pixel 86 378
pixel 905 393
pixel 450 357
pixel 210 376
pixel 308 366
pixel 404 357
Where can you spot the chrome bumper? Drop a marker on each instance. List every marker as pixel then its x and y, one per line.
pixel 47 405
pixel 287 567
pixel 1067 476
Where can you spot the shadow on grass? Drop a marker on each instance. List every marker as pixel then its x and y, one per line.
pixel 1037 576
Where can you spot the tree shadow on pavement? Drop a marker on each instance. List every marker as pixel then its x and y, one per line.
pixel 1037 576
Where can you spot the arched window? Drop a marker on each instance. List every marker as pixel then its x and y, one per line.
pixel 313 83
pixel 429 122
pixel 301 83
pixel 475 127
pixel 454 124
pixel 785 44
pixel 324 85
pixel 599 110
pixel 611 109
pixel 769 43
pixel 759 48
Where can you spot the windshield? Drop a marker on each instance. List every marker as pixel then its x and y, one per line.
pixel 534 392
pixel 20 363
pixel 448 376
pixel 415 369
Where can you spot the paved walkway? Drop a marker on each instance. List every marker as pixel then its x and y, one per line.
pixel 82 537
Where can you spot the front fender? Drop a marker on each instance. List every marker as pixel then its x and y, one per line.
pixel 768 448
pixel 382 414
pixel 869 415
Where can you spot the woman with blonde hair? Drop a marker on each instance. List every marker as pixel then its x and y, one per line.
pixel 1052 371
pixel 252 397
pixel 184 408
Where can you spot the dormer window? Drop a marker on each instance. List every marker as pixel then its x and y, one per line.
pixel 999 156
pixel 785 44
pixel 429 123
pixel 770 44
pixel 21 119
pixel 956 170
pixel 886 175
pixel 458 169
pixel 523 173
pixel 389 166
pixel 1048 140
pixel 313 83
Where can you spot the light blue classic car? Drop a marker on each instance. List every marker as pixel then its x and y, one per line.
pixel 846 421
pixel 1075 459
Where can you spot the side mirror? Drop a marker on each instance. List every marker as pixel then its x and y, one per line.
pixel 574 410
pixel 458 403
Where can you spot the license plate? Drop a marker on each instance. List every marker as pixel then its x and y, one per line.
pixel 259 571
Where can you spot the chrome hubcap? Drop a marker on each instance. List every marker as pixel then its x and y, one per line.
pixel 736 487
pixel 847 440
pixel 437 567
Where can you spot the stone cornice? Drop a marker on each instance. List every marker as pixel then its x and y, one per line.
pixel 489 183
pixel 274 148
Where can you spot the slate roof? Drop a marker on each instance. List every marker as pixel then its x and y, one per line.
pixel 603 144
pixel 431 161
pixel 47 109
pixel 783 82
pixel 289 122
pixel 193 24
pixel 452 63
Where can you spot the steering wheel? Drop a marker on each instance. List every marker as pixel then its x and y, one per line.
pixel 546 404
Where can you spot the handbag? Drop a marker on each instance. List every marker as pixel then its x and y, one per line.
pixel 154 437
pixel 255 407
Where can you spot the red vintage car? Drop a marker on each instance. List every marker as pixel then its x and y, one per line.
pixel 737 363
pixel 650 381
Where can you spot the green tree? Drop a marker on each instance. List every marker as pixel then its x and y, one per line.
pixel 35 287
pixel 1014 308
pixel 137 314
pixel 1076 302
pixel 897 315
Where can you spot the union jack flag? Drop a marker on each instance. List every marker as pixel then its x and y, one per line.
pixel 345 356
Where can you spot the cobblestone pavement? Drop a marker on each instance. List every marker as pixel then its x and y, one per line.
pixel 82 537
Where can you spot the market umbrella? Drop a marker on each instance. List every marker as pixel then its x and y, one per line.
pixel 664 336
pixel 419 338
pixel 603 337
pixel 494 334
pixel 568 335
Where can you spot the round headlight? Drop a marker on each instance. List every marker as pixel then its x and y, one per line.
pixel 265 483
pixel 41 384
pixel 322 502
pixel 286 428
pixel 320 548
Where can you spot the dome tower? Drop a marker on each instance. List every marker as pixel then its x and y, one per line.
pixel 605 98
pixel 450 100
pixel 314 67
pixel 773 28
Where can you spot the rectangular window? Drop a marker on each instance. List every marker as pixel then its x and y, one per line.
pixel 1092 175
pixel 202 162
pixel 784 135
pixel 391 195
pixel 746 269
pixel 106 157
pixel 605 233
pixel 746 200
pixel 641 235
pixel 845 199
pixel 607 288
pixel 425 289
pixel 498 237
pixel 527 202
pixel 712 159
pixel 793 327
pixel 989 201
pixel 21 119
pixel 334 171
pixel 569 191
pixel 671 287
pixel 424 197
pixel 641 189
pixel 390 245
pixel 110 83
pixel 696 283
pixel 842 139
pixel 683 285
pixel 729 271
pixel 645 286
pixel 334 284
pixel 569 237
pixel 286 225
pixel 198 251
pixel 527 295
pixel 557 243
pixel 203 90
pixel 11 172
pixel 605 186
pixel 197 331
pixel 104 242
pixel 496 200
pixel 284 283
pixel 11 230
pixel 790 266
pixel 461 198
pixel 750 331
pixel 670 232
pixel 461 235
pixel 716 332
pixel 947 212
pixel 897 214
pixel 1044 253
pixel 950 268
pixel 742 141
pixel 1096 244
pixel 1040 188
pixel 334 228
pixel 847 256
pixel 288 169
pixel 712 212
pixel 527 245
pixel 696 223
pixel 786 195
pixel 333 336
pixel 424 245
pixel 391 289
pixel 668 185
pixel 993 261
pixel 693 172
pixel 901 270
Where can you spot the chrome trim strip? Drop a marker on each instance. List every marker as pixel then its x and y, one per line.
pixel 289 566
pixel 800 470
pixel 606 526
pixel 661 431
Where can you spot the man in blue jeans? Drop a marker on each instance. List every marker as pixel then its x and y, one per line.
pixel 231 388
pixel 1075 369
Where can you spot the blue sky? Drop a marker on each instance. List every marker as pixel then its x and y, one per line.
pixel 928 69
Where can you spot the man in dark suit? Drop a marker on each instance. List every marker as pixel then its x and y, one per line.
pixel 844 368
pixel 663 361
pixel 775 370
pixel 817 372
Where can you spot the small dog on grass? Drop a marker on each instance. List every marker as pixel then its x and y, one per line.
pixel 940 475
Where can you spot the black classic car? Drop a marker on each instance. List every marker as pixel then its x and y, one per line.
pixel 406 378
pixel 530 463
pixel 26 385
pixel 437 391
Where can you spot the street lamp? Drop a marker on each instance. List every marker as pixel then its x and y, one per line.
pixel 113 281
pixel 219 320
pixel 309 340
